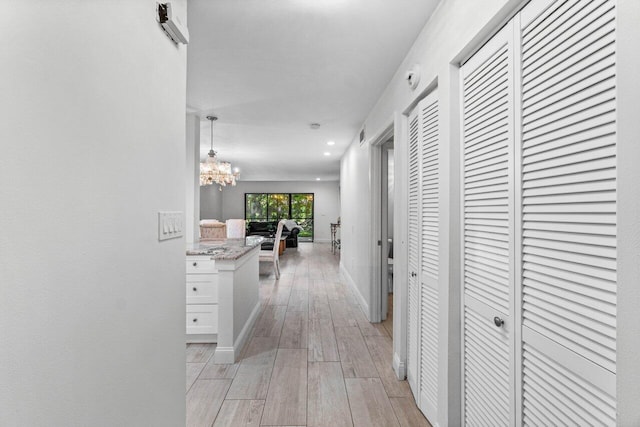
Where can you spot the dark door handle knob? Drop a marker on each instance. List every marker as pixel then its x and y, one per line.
pixel 195 264
pixel 498 321
pixel 413 274
pixel 195 289
pixel 195 320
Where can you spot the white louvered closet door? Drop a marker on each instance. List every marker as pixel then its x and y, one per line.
pixel 488 262
pixel 413 256
pixel 424 193
pixel 568 199
pixel 429 254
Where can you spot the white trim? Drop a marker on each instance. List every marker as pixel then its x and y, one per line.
pixel 200 338
pixel 449 399
pixel 375 177
pixel 245 333
pixel 354 289
pixel 400 233
pixel 400 367
pixel 461 237
pixel 502 18
pixel 517 243
pixel 628 206
pixel 228 354
pixel 224 355
pixel 375 160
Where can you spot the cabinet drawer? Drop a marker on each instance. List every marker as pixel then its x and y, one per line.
pixel 202 319
pixel 202 288
pixel 197 265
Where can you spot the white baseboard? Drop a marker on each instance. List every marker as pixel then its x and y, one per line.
pixel 201 338
pixel 224 355
pixel 246 330
pixel 399 367
pixel 230 354
pixel 352 284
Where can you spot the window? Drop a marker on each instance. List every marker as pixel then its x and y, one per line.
pixel 277 206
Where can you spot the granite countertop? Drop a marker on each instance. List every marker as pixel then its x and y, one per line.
pixel 224 249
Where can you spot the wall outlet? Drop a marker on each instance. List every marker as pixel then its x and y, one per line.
pixel 170 225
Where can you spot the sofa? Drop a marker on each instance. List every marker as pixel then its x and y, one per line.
pixel 268 229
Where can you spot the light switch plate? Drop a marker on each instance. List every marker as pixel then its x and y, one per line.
pixel 170 225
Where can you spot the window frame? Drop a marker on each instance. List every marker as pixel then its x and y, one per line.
pixel 288 214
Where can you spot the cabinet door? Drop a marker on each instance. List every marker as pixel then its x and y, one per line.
pixel 488 262
pixel 568 195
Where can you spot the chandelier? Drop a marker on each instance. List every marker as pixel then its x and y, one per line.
pixel 214 172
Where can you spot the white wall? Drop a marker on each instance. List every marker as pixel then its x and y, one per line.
pixel 192 179
pixel 355 204
pixel 92 134
pixel 211 202
pixel 326 200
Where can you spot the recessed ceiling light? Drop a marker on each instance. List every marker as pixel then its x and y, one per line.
pixel 331 143
pixel 326 153
pixel 317 179
pixel 314 126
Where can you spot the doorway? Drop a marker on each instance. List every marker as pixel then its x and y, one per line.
pixel 386 234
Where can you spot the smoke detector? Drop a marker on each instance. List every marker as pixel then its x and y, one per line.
pixel 413 76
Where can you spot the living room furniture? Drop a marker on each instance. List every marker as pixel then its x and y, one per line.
pixel 272 255
pixel 268 229
pixel 236 228
pixel 282 245
pixel 222 295
pixel 212 229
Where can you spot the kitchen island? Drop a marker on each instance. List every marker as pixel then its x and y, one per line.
pixel 222 294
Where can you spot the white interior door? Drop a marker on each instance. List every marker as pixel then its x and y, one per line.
pixel 429 253
pixel 488 262
pixel 568 199
pixel 413 291
pixel 424 193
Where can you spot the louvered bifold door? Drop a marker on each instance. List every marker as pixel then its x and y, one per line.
pixel 568 161
pixel 429 254
pixel 413 314
pixel 488 121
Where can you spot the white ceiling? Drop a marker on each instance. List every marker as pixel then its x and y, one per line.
pixel 269 68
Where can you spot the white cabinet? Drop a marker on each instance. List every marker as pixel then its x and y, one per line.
pixel 222 296
pixel 202 299
pixel 202 319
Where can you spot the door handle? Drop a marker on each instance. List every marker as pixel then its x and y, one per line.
pixel 413 274
pixel 498 322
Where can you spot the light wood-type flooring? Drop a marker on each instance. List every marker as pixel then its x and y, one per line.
pixel 313 359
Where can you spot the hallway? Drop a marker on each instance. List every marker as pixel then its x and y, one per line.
pixel 313 358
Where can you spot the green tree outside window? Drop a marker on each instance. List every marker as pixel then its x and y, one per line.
pixel 276 206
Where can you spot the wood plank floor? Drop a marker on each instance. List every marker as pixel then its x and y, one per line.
pixel 312 360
